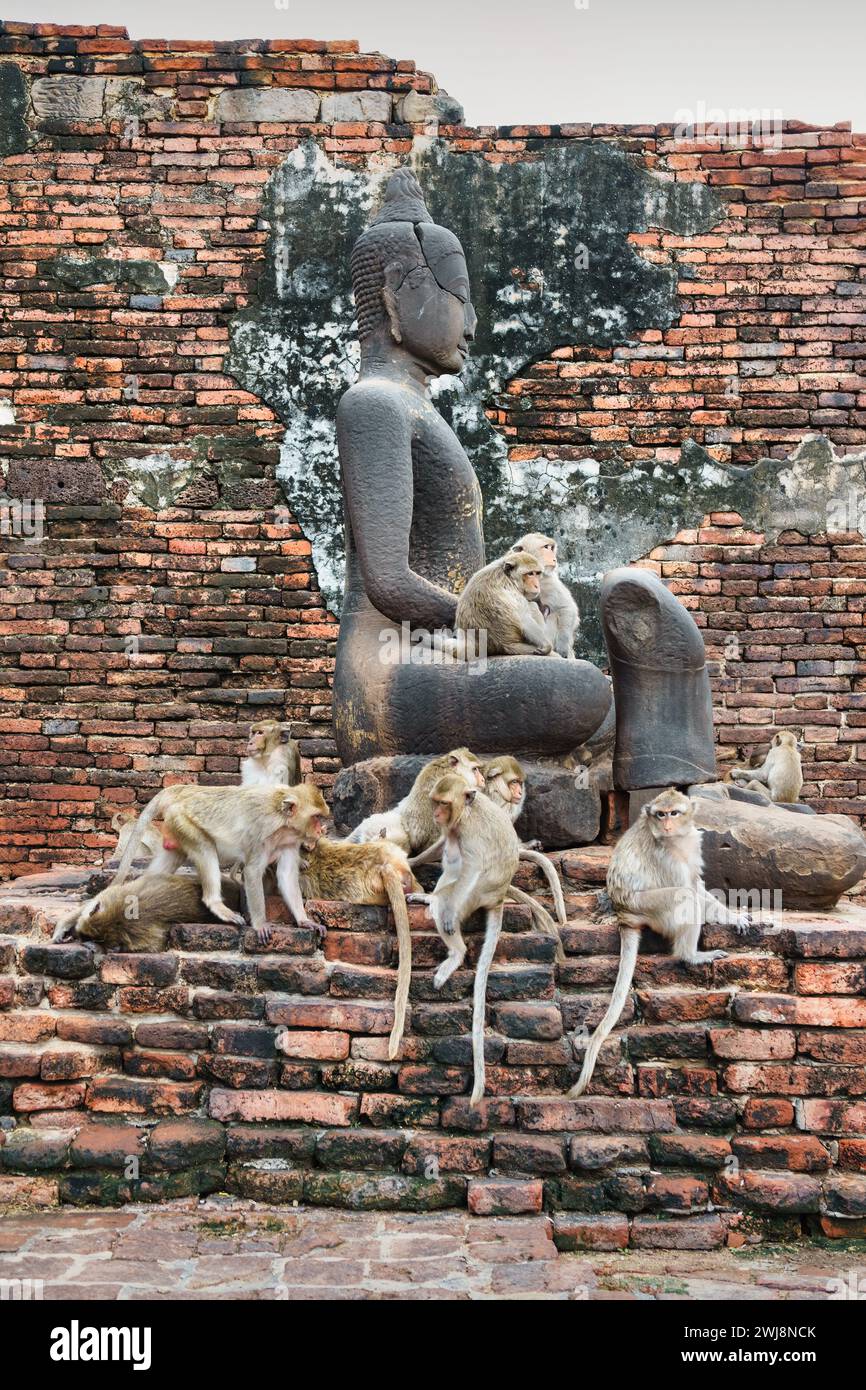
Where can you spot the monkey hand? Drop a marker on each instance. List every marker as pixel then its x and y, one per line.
pixel 318 927
pixel 418 899
pixel 263 934
pixel 533 844
pixel 741 922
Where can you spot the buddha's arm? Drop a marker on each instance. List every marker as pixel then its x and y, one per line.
pixel 374 435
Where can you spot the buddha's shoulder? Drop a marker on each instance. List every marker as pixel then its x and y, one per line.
pixel 377 395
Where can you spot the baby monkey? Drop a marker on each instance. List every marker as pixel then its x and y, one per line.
pixel 479 859
pixel 780 775
pixel 561 617
pixel 655 879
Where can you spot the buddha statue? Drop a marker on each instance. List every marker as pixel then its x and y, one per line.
pixel 413 524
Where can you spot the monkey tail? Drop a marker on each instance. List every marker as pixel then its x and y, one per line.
pixel 479 1001
pixel 397 900
pixel 629 940
pixel 540 916
pixel 149 813
pixel 544 864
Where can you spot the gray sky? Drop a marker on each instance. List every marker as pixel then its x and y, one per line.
pixel 550 60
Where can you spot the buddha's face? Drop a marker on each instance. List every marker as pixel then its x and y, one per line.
pixel 434 314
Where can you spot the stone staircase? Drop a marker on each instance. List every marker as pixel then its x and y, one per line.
pixel 730 1105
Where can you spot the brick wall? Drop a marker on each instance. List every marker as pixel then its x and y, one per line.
pixel 783 626
pixel 153 156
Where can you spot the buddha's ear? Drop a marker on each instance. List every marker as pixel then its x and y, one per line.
pixel 394 275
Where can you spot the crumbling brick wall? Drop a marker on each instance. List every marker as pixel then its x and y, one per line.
pixel 131 178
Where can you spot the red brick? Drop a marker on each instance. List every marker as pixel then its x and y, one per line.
pixel 504 1196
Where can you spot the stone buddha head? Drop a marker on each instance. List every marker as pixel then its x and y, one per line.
pixel 411 284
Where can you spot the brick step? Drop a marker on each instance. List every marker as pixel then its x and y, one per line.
pixel 606 1189
pixel 730 1093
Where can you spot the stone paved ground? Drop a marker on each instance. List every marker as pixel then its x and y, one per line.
pixel 231 1249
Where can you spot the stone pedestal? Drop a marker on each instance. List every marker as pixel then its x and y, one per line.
pixel 563 805
pixel 664 714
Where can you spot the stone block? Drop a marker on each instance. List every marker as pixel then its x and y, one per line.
pixel 68 98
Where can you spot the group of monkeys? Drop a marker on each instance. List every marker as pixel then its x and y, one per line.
pixel 459 809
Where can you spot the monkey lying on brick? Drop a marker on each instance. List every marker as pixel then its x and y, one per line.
pixel 136 915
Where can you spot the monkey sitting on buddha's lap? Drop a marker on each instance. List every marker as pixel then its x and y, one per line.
pixel 501 600
pixel 655 879
pixel 136 915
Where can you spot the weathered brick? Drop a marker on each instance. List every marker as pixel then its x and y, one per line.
pixel 572 1231
pixel 306 1107
pixel 504 1196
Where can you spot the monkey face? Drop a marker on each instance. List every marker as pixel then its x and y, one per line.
pixel 532 583
pixel 786 739
pixel 450 797
pixel 669 815
pixel 517 790
pixel 505 785
pixel 258 737
pixel 544 547
pixel 466 765
pixel 305 810
pixel 524 569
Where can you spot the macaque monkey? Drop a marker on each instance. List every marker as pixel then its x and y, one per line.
pixel 502 792
pixel 655 879
pixel 377 873
pixel 561 618
pixel 479 860
pixel 780 774
pixel 273 758
pixel 410 823
pixel 123 821
pixel 136 915
pixel 210 827
pixel 505 784
pixel 502 600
